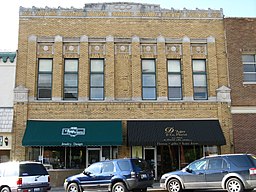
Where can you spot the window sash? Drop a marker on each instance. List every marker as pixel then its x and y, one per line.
pixel 200 80
pixel 97 79
pixel 44 79
pixel 249 67
pixel 148 79
pixel 70 79
pixel 174 80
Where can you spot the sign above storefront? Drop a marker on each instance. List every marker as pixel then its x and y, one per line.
pixel 73 131
pixel 176 132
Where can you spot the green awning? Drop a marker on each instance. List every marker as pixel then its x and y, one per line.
pixel 72 133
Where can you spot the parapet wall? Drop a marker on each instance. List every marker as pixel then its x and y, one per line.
pixel 122 9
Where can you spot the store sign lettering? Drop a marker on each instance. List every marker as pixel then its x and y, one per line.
pixel 73 131
pixel 170 131
pixel 174 136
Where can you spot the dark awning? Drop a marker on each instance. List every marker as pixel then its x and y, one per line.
pixel 177 132
pixel 72 133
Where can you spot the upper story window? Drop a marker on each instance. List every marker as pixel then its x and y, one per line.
pixel 70 79
pixel 44 82
pixel 199 79
pixel 249 63
pixel 148 79
pixel 174 80
pixel 97 79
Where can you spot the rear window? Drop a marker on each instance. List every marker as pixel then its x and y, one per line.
pixel 140 165
pixel 253 158
pixel 240 160
pixel 124 165
pixel 32 169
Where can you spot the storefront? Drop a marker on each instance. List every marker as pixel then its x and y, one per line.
pixel 72 144
pixel 171 145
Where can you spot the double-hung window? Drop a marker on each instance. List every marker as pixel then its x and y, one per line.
pixel 97 79
pixel 199 79
pixel 174 80
pixel 249 63
pixel 71 79
pixel 148 79
pixel 44 82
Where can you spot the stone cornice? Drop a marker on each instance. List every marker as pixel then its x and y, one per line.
pixel 121 10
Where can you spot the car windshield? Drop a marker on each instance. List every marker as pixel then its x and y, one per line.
pixel 32 169
pixel 140 165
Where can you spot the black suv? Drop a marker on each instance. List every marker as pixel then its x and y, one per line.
pixel 114 175
pixel 233 172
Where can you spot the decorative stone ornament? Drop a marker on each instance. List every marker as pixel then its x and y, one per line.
pixel 223 94
pixel 20 94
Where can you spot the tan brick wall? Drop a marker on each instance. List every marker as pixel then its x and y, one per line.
pixel 122 70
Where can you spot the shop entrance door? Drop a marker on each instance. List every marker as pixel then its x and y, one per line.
pixel 150 157
pixel 93 155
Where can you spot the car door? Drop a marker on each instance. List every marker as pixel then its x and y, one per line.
pixel 194 177
pixel 217 168
pixel 90 179
pixel 106 175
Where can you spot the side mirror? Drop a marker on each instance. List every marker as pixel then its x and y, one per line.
pixel 86 173
pixel 188 170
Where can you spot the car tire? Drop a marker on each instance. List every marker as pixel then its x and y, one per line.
pixel 119 187
pixel 5 189
pixel 174 185
pixel 73 187
pixel 234 185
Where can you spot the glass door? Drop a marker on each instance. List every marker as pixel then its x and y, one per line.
pixel 93 155
pixel 150 157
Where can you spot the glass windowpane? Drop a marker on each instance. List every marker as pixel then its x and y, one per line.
pixel 249 77
pixel 70 93
pixel 45 65
pixel 148 80
pixel 174 66
pixel 175 93
pixel 248 58
pixel 44 93
pixel 44 80
pixel 174 80
pixel 97 65
pixel 71 65
pixel 70 80
pixel 148 66
pixel 97 80
pixel 97 93
pixel 199 80
pixel 249 68
pixel 198 65
pixel 200 93
pixel 149 93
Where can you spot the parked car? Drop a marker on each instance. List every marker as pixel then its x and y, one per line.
pixel 113 175
pixel 24 176
pixel 233 172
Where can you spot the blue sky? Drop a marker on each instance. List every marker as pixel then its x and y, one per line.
pixel 9 11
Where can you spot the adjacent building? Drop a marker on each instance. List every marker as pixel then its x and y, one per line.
pixel 114 80
pixel 7 74
pixel 241 48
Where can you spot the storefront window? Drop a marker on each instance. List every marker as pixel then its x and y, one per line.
pixel 137 151
pixel 70 157
pixel 210 150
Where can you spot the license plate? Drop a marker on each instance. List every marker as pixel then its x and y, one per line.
pixel 143 176
pixel 37 189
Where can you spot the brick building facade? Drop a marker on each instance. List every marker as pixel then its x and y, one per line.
pixel 137 68
pixel 241 46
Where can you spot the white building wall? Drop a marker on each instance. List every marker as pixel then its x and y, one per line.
pixel 7 79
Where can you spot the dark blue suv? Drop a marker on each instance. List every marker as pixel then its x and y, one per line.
pixel 117 175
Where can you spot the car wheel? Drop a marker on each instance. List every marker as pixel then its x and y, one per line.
pixel 73 187
pixel 119 187
pixel 234 185
pixel 5 189
pixel 174 186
